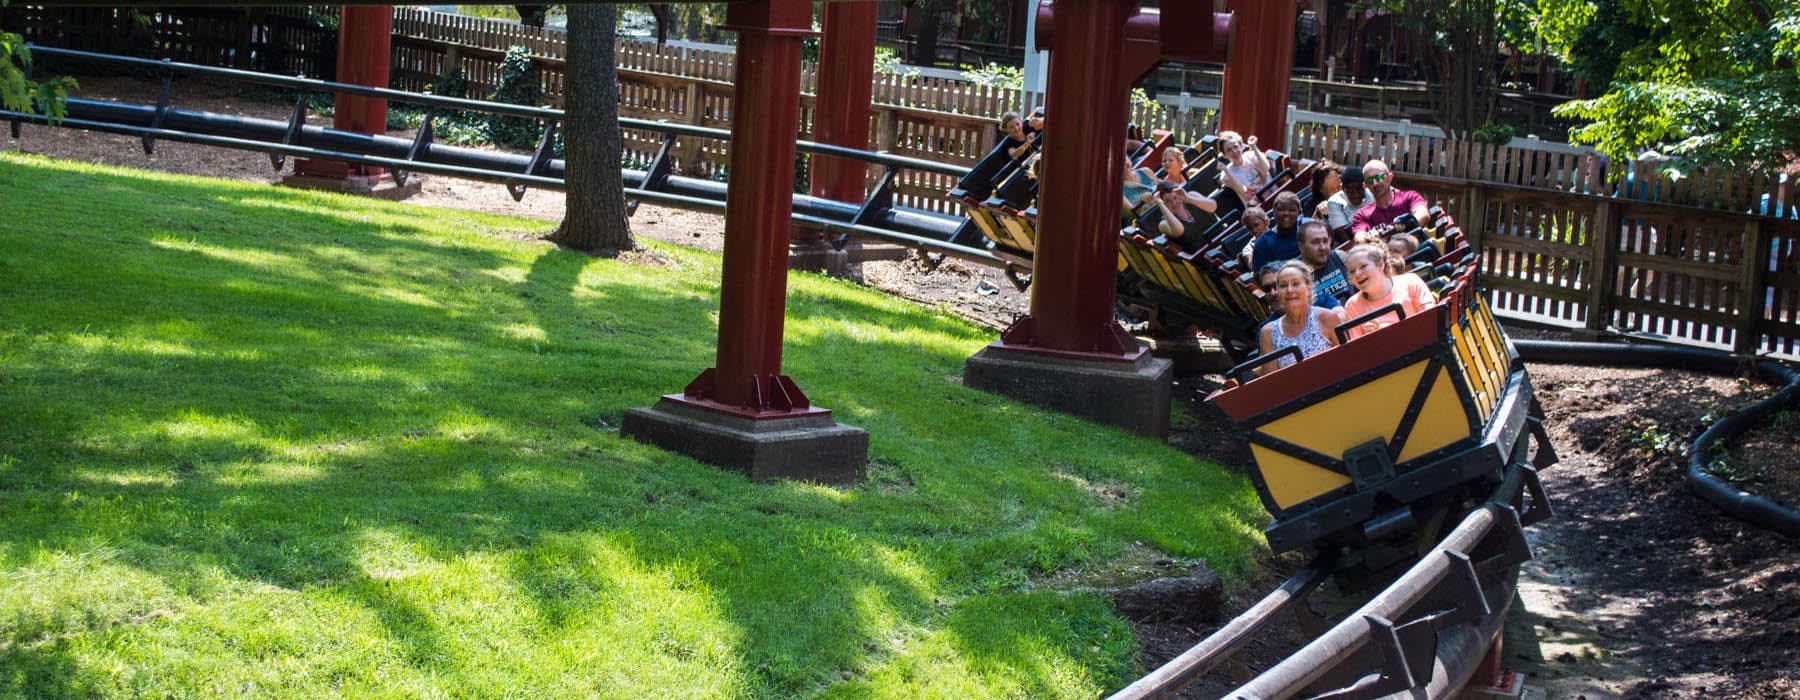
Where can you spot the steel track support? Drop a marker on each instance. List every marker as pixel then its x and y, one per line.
pixel 365 41
pixel 743 413
pixel 840 118
pixel 1069 353
pixel 1254 97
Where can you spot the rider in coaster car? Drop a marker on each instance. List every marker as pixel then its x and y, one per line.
pixel 1301 323
pixel 1179 213
pixel 1377 289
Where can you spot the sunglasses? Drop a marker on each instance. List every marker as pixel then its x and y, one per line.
pixel 1377 178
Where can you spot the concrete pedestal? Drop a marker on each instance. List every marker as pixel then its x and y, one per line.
pixel 378 186
pixel 1132 394
pixel 818 256
pixel 805 444
pixel 1191 355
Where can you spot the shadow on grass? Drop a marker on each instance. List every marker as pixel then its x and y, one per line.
pixel 305 383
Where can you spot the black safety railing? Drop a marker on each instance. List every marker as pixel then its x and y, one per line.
pixel 875 217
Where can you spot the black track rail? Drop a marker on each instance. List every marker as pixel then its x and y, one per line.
pixel 875 218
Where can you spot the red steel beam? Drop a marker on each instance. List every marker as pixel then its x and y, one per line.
pixel 365 47
pixel 1254 98
pixel 1078 211
pixel 846 90
pixel 747 379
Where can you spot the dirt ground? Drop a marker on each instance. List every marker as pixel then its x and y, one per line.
pixel 1639 589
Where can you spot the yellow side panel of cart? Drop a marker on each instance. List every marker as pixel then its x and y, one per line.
pixel 985 221
pixel 1292 481
pixel 1442 421
pixel 1023 236
pixel 1352 418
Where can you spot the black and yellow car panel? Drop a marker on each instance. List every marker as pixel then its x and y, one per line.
pixel 1359 432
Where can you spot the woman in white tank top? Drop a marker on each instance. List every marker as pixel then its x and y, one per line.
pixel 1311 328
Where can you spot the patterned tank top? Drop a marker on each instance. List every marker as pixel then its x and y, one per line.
pixel 1311 340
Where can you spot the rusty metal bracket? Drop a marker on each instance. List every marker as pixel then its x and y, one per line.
pixel 421 144
pixel 657 175
pixel 879 202
pixel 1012 274
pixel 1538 508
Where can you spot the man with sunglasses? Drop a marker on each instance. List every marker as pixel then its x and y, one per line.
pixel 1387 202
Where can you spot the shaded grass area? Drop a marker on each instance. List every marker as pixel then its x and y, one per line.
pixel 263 442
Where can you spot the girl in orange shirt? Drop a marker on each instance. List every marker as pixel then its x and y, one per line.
pixel 1377 289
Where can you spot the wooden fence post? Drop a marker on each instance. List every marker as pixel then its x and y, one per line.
pixel 1751 289
pixel 1603 265
pixel 1473 217
pixel 887 129
pixel 696 113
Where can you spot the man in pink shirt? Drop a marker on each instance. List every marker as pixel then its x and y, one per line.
pixel 1386 202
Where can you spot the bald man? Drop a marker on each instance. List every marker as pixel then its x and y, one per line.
pixel 1386 202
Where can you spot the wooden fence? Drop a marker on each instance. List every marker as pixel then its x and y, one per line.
pixel 285 40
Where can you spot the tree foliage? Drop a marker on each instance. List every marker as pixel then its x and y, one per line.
pixel 1708 81
pixel 1460 39
pixel 19 93
pixel 521 83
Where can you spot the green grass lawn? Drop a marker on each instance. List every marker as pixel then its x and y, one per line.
pixel 257 442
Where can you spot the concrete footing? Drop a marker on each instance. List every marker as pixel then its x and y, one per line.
pixel 1191 355
pixel 380 187
pixel 818 256
pixel 807 445
pixel 1133 395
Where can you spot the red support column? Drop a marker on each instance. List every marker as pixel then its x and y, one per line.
pixel 365 41
pixel 743 412
pixel 765 116
pixel 1070 353
pixel 840 118
pixel 1078 210
pixel 1254 98
pixel 846 90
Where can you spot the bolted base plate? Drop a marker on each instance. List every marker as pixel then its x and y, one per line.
pixel 1131 395
pixel 810 446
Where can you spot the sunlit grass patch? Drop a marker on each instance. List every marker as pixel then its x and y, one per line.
pixel 259 442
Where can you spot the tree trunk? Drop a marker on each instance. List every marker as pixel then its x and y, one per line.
pixel 532 15
pixel 925 42
pixel 595 220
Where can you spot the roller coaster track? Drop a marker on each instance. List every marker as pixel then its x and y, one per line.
pixel 1410 662
pixel 876 217
pixel 1422 636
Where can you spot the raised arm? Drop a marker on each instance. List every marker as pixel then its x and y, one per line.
pixel 1201 202
pixel 1170 225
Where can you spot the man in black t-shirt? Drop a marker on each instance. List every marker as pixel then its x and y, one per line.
pixel 1330 277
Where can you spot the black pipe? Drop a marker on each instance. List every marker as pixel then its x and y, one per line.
pixel 501 108
pixel 312 141
pixel 1734 501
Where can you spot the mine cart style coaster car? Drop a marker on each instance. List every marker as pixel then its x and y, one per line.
pixel 1384 436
